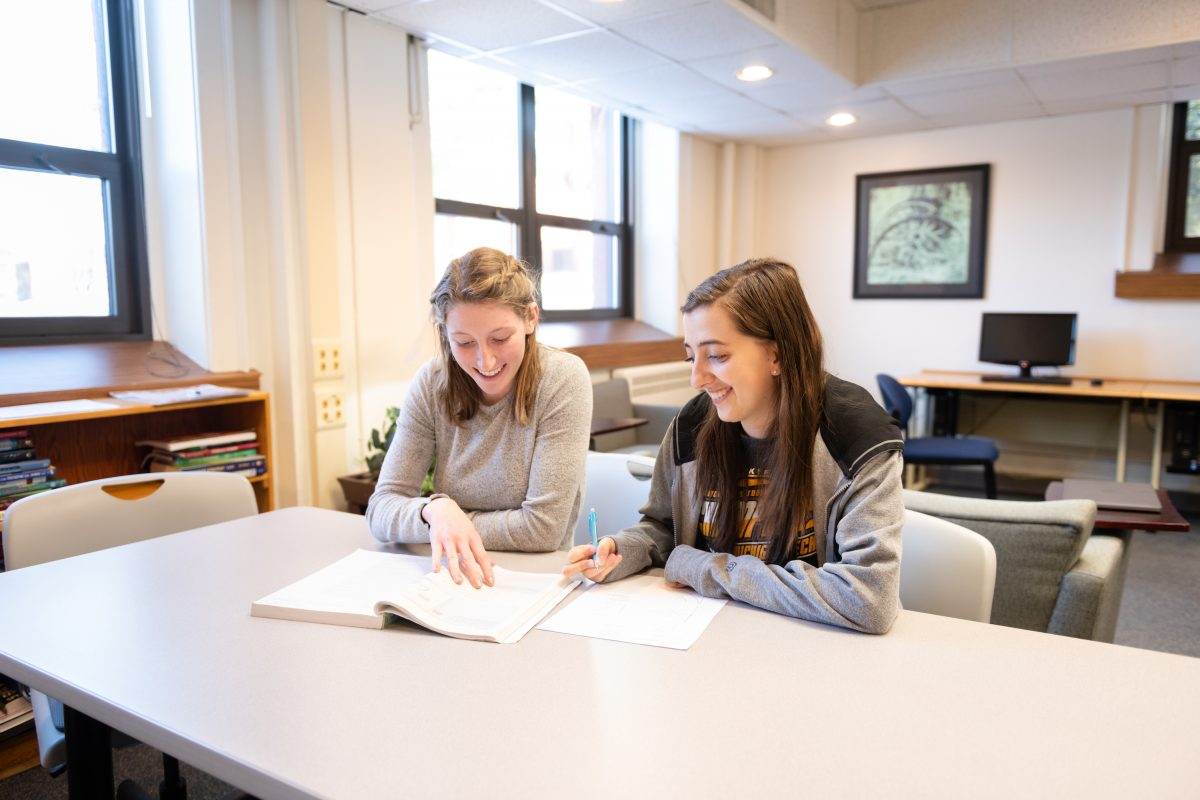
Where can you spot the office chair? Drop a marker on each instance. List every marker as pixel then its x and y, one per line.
pixel 946 569
pixel 611 398
pixel 106 513
pixel 944 450
pixel 617 486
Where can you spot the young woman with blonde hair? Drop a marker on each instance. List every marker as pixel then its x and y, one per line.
pixel 507 421
pixel 778 485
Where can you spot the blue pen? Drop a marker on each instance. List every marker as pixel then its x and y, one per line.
pixel 592 531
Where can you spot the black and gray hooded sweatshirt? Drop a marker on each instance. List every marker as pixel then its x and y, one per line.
pixel 858 512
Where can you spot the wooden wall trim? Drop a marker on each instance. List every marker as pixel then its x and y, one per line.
pixel 608 344
pixel 48 373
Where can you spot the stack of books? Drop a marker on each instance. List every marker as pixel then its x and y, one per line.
pixel 15 709
pixel 223 451
pixel 22 473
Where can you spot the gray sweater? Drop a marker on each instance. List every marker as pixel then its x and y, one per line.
pixel 859 509
pixel 521 485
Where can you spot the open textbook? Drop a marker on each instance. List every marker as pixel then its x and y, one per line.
pixel 366 586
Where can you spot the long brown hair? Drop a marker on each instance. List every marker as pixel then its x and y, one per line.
pixel 485 275
pixel 765 300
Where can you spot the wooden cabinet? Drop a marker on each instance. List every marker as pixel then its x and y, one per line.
pixel 88 445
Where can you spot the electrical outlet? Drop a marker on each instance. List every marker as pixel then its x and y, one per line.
pixel 327 359
pixel 330 411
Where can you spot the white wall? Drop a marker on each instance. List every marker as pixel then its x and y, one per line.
pixel 1058 224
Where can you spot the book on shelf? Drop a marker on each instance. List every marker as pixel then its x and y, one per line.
pixel 368 588
pixel 250 467
pixel 15 444
pixel 8 499
pixel 23 466
pixel 26 475
pixel 13 434
pixel 20 454
pixel 20 486
pixel 187 458
pixel 199 440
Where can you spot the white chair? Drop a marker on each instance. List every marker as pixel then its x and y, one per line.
pixel 946 569
pixel 106 513
pixel 617 486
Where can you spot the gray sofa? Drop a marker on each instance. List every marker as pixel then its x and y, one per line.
pixel 1052 574
pixel 611 399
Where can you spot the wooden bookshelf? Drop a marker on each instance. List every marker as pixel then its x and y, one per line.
pixel 86 446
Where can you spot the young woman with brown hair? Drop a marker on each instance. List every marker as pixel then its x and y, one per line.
pixel 508 420
pixel 778 485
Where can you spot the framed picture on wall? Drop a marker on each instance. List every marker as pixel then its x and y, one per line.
pixel 921 233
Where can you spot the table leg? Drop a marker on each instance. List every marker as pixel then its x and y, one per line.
pixel 1156 453
pixel 1122 440
pixel 89 756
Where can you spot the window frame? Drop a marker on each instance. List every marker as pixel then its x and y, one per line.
pixel 1177 185
pixel 121 171
pixel 529 222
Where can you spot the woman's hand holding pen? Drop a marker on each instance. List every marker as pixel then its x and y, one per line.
pixel 452 534
pixel 594 563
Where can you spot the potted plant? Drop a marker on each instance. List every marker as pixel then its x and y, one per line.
pixel 359 487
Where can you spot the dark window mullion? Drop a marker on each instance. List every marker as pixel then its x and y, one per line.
pixel 625 246
pixel 574 223
pixel 461 208
pixel 530 233
pixel 1177 184
pixel 49 158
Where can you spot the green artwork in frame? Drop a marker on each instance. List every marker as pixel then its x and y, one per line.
pixel 921 233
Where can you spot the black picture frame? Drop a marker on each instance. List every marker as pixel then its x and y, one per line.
pixel 921 233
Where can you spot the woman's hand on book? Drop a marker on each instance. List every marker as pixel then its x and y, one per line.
pixel 594 563
pixel 453 536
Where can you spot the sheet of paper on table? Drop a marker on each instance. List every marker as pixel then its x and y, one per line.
pixel 642 610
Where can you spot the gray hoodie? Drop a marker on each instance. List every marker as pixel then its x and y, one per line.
pixel 858 512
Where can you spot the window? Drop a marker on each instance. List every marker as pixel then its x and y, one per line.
pixel 537 173
pixel 1183 193
pixel 72 230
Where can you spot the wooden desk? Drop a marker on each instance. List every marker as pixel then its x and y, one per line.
pixel 1169 519
pixel 938 707
pixel 1116 389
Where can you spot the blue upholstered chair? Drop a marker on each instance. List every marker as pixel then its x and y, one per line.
pixel 944 450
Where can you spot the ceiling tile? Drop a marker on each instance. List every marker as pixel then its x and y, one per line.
pixel 768 129
pixel 612 13
pixel 726 106
pixel 592 54
pixel 949 83
pixel 1100 83
pixel 1079 105
pixel 995 96
pixel 936 36
pixel 1096 63
pixel 698 32
pixel 984 116
pixel 522 22
pixel 1044 31
pixel 815 98
pixel 791 67
pixel 669 83
pixel 873 113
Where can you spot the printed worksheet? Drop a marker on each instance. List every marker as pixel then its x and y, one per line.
pixel 642 610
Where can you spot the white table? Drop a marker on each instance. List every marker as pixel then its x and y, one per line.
pixel 156 639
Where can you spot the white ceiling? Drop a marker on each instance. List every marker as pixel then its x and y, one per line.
pixel 898 65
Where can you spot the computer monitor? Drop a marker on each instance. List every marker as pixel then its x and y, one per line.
pixel 1028 340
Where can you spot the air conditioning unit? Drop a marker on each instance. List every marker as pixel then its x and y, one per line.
pixel 668 383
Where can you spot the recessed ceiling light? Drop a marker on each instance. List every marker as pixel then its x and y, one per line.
pixel 755 72
pixel 841 119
